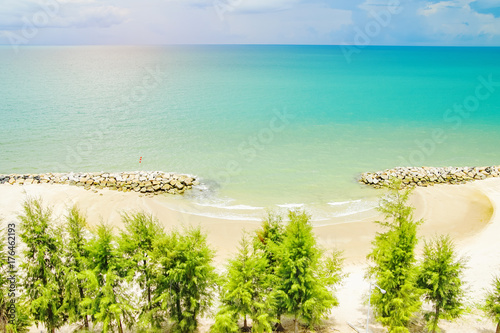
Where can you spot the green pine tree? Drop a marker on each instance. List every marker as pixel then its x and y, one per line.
pixel 492 303
pixel 393 260
pixel 107 299
pixel 226 321
pixel 4 282
pixel 267 244
pixel 301 288
pixel 243 292
pixel 328 275
pixel 440 279
pixel 13 317
pixel 75 263
pixel 185 277
pixel 137 245
pixel 269 238
pixel 42 265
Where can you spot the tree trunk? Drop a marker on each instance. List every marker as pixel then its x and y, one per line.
pixel 120 328
pixel 147 284
pixel 4 324
pixel 436 319
pixel 278 326
pixel 178 306
pixel 149 297
pixel 50 316
pixel 245 324
pixel 295 325
pixel 498 327
pixel 85 318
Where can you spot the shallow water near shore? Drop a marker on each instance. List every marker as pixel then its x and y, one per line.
pixel 262 126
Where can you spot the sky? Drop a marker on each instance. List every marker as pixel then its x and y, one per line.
pixel 324 22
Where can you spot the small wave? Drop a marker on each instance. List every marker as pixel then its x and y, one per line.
pixel 203 187
pixel 206 202
pixel 342 203
pixel 291 206
pixel 233 207
pixel 216 215
pixel 352 211
pixel 354 207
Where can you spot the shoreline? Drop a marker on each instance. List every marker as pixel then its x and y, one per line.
pixel 461 211
pixel 467 212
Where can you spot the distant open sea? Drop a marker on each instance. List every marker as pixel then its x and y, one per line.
pixel 262 126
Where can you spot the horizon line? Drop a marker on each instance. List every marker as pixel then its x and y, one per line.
pixel 263 44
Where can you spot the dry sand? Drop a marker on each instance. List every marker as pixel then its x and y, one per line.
pixel 467 212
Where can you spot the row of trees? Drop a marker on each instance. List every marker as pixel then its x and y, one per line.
pixel 143 278
pixel 146 279
pixel 435 281
pixel 279 271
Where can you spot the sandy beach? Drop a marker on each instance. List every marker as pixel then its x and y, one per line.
pixel 468 213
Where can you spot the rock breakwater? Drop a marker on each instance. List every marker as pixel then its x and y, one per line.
pixel 154 182
pixel 428 176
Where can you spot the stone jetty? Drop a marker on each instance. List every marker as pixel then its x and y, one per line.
pixel 428 176
pixel 154 182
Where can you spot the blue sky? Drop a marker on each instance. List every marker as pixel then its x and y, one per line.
pixel 373 22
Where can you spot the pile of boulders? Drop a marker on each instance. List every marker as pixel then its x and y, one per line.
pixel 426 176
pixel 140 181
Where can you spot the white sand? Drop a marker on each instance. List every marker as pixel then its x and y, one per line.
pixel 467 212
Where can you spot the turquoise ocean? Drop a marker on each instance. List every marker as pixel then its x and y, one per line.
pixel 261 126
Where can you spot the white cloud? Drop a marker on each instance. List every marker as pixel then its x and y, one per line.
pixel 434 8
pixel 262 5
pixel 62 2
pixel 60 13
pixel 487 3
pixel 243 5
pixel 304 24
pixel 418 22
pixel 375 5
pixel 101 16
pixel 455 19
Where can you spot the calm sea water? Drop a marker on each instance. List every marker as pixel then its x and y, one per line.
pixel 263 126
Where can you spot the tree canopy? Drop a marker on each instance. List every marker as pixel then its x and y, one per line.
pixel 492 302
pixel 42 264
pixel 393 264
pixel 440 278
